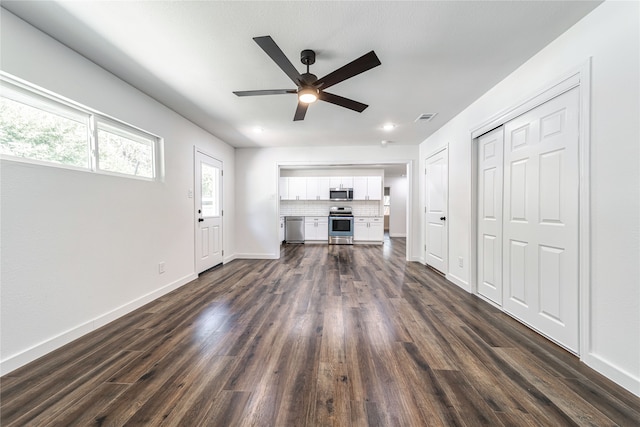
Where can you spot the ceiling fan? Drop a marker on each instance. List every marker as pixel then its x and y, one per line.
pixel 310 88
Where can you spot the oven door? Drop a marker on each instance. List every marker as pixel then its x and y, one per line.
pixel 341 230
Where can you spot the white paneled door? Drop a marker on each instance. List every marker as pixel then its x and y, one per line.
pixel 436 198
pixel 490 170
pixel 539 260
pixel 208 197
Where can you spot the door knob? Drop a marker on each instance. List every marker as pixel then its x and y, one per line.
pixel 443 218
pixel 200 219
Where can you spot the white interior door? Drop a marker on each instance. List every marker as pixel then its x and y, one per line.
pixel 208 197
pixel 490 184
pixel 436 198
pixel 541 184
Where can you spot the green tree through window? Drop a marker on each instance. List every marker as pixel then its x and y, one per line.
pixel 32 133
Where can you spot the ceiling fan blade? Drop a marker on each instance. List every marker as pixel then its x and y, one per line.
pixel 264 92
pixel 343 102
pixel 301 110
pixel 353 68
pixel 271 48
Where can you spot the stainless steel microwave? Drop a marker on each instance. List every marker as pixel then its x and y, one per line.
pixel 341 194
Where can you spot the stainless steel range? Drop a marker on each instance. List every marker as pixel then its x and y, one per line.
pixel 340 225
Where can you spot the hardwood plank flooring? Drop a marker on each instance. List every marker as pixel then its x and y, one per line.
pixel 324 336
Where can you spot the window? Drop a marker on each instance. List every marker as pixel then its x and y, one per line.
pixel 210 178
pixel 124 152
pixel 41 127
pixel 33 128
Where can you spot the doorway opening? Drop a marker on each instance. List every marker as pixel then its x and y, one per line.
pixel 387 207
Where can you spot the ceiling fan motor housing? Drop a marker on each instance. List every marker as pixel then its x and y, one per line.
pixel 308 79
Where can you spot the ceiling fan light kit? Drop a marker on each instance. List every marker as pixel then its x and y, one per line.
pixel 309 87
pixel 308 94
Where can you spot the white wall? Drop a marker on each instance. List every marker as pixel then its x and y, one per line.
pixel 610 36
pixel 257 175
pixel 80 249
pixel 398 188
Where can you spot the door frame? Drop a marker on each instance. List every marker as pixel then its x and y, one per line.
pixel 412 223
pixel 192 193
pixel 579 77
pixel 424 214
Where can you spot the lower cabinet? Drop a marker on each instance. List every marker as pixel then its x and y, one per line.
pixel 368 229
pixel 281 229
pixel 316 228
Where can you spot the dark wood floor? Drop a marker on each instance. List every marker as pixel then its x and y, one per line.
pixel 327 335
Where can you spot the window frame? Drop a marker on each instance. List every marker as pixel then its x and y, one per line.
pixel 23 92
pixel 131 133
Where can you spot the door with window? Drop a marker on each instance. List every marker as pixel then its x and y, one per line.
pixel 208 213
pixel 436 198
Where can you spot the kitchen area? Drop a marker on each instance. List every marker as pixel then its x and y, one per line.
pixel 326 206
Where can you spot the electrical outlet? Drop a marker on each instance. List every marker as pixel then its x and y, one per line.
pixel 161 267
pixel 460 262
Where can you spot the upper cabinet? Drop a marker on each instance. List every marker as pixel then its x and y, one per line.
pixel 341 182
pixel 367 188
pixel 318 188
pixel 293 188
pixel 283 188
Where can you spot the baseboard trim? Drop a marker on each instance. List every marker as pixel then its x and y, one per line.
pixel 256 256
pixel 398 235
pixel 458 281
pixel 612 372
pixel 20 359
pixel 228 259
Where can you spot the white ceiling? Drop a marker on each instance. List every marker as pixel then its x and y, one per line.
pixel 437 57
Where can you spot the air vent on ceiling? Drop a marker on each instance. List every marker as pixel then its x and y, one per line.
pixel 423 118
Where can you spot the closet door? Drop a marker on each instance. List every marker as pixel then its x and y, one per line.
pixel 490 183
pixel 540 225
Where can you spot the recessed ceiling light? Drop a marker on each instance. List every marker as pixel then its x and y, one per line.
pixel 258 129
pixel 388 126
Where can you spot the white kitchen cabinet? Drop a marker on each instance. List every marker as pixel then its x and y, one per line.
pixel 283 188
pixel 318 188
pixel 293 188
pixel 374 188
pixel 281 231
pixel 376 229
pixel 316 228
pixel 368 229
pixel 367 188
pixel 341 182
pixel 360 229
